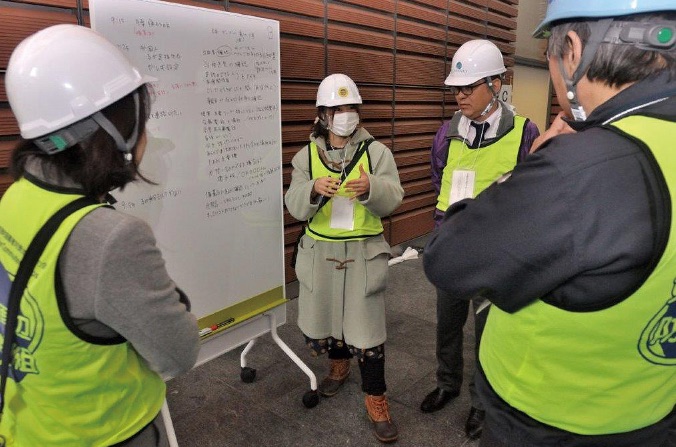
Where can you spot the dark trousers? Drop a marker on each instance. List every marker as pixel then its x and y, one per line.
pixel 152 435
pixel 451 318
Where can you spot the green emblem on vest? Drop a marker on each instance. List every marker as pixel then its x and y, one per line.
pixel 658 340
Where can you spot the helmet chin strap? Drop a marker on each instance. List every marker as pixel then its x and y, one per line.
pixel 489 83
pixel 81 130
pixel 488 107
pixel 122 145
pixel 598 32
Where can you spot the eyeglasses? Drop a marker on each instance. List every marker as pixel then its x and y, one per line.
pixel 465 89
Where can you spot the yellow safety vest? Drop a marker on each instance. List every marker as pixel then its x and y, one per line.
pixel 601 372
pixel 63 390
pixel 488 162
pixel 366 224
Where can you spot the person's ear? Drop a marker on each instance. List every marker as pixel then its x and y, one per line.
pixel 572 56
pixel 495 85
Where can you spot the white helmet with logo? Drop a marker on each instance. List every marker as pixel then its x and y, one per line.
pixel 474 60
pixel 337 90
pixel 63 74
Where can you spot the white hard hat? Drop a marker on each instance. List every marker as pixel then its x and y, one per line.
pixel 475 60
pixel 65 73
pixel 337 90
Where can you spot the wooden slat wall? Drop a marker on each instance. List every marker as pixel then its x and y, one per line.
pixel 554 105
pixel 397 51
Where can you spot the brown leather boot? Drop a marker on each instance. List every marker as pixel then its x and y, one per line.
pixel 340 370
pixel 379 413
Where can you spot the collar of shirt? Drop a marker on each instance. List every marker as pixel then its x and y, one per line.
pixel 467 131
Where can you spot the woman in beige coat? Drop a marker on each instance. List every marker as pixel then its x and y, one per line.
pixel 343 183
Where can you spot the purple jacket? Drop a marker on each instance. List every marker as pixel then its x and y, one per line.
pixel 449 130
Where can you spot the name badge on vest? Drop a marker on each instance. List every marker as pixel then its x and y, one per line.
pixel 462 186
pixel 342 213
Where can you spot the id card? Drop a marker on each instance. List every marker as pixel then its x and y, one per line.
pixel 342 213
pixel 462 186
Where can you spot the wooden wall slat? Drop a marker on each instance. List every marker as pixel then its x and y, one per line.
pixel 298 59
pixel 484 14
pixel 439 4
pixel 8 124
pixel 506 8
pixel 419 70
pixel 415 11
pixel 57 3
pixel 346 14
pixel 418 111
pixel 418 187
pixel 200 4
pixel 358 63
pixel 376 112
pixel 420 30
pixel 411 173
pixel 404 94
pixel 3 92
pixel 18 23
pixel 296 133
pixel 288 151
pixel 421 46
pixel 5 181
pixel 381 5
pixel 6 147
pixel 412 224
pixel 478 28
pixel 415 126
pixel 415 202
pixel 288 24
pixel 413 142
pixel 299 92
pixel 314 8
pixel 297 112
pixel 360 36
pixel 411 158
pixel 376 94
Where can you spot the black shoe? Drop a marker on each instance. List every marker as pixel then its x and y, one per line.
pixel 475 423
pixel 437 399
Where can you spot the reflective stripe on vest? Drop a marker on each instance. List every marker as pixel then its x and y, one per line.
pixel 366 224
pixel 601 372
pixel 488 162
pixel 63 390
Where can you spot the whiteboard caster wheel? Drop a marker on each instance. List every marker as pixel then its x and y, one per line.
pixel 247 374
pixel 310 399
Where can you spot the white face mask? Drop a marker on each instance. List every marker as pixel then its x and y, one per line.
pixel 343 124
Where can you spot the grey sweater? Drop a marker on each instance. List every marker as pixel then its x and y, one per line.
pixel 116 284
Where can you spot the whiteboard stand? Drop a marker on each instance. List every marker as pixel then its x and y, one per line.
pixel 169 425
pixel 310 398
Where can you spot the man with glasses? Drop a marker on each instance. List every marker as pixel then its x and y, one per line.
pixel 482 141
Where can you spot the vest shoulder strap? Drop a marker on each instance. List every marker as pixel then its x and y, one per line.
pixel 23 274
pixel 363 147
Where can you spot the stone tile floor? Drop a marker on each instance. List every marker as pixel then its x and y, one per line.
pixel 211 406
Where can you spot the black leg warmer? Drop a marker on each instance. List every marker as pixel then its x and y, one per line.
pixel 372 370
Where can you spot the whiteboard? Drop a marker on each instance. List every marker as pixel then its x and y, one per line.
pixel 214 149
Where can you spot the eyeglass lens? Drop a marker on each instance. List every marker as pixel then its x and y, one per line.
pixel 465 89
